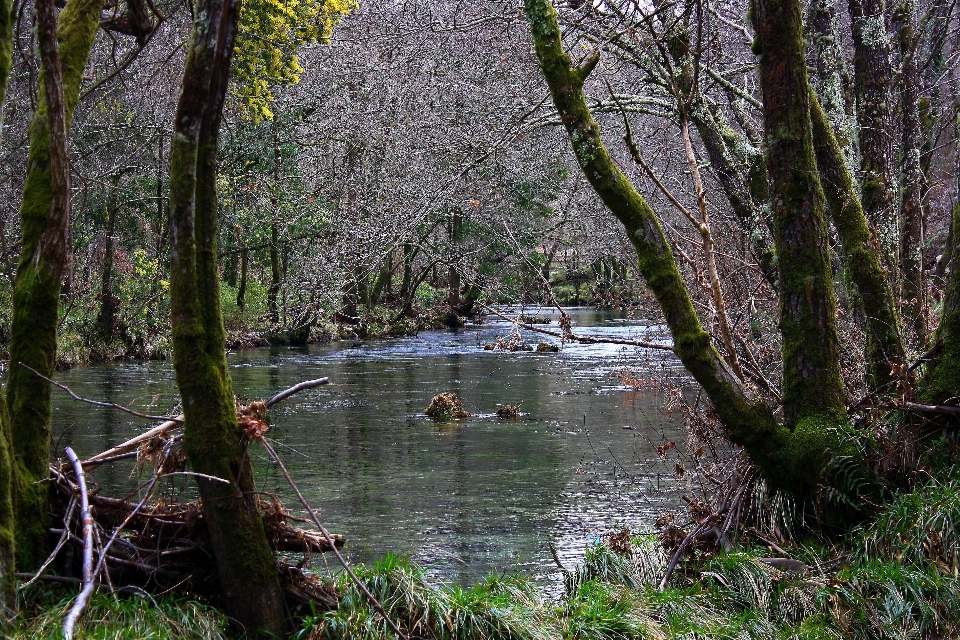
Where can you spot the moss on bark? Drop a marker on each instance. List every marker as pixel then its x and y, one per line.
pixel 941 378
pixel 860 252
pixel 213 439
pixel 36 290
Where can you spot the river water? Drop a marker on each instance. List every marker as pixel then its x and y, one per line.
pixel 462 498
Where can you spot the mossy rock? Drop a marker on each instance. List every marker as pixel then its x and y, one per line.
pixel 546 347
pixel 446 406
pixel 508 411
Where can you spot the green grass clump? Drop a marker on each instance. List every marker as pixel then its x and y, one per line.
pixel 499 607
pixel 124 618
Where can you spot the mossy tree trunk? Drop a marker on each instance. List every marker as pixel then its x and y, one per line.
pixel 793 457
pixel 8 594
pixel 813 393
pixel 873 84
pixel 45 253
pixel 860 252
pixel 213 440
pixel 941 378
pixel 912 179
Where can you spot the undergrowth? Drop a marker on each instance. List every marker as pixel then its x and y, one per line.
pixel 123 618
pixel 895 578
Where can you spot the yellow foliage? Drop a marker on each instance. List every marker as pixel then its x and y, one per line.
pixel 269 35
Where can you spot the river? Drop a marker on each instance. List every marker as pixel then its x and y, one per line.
pixel 465 498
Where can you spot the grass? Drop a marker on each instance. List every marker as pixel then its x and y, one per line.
pixel 126 618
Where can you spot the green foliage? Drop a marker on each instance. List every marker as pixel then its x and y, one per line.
pixel 918 529
pixel 269 35
pixel 134 618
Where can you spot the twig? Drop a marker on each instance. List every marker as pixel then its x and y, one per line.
pixel 297 388
pixel 81 602
pixel 97 403
pixel 581 339
pixel 53 554
pixel 47 577
pixel 333 547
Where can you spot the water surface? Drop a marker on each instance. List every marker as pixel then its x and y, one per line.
pixel 463 498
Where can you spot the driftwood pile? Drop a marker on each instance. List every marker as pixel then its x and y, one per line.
pixel 160 545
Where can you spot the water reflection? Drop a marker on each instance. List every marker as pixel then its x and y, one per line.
pixel 466 498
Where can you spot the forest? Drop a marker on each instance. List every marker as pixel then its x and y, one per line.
pixel 316 249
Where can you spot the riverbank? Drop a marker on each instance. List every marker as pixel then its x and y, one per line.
pixel 892 578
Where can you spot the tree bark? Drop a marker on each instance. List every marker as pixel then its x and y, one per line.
pixel 213 440
pixel 274 291
pixel 941 377
pixel 242 287
pixel 912 179
pixel 8 599
pixel 44 256
pixel 860 253
pixel 873 82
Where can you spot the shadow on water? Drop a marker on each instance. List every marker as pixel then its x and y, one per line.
pixel 463 498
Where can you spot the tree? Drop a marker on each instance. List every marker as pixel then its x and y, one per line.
pixel 45 253
pixel 213 440
pixel 793 456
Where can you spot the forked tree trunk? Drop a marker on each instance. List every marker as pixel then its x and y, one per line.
pixel 213 439
pixel 44 255
pixel 793 457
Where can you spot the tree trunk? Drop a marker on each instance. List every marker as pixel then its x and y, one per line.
pixel 242 288
pixel 831 76
pixel 911 180
pixel 941 378
pixel 274 291
pixel 45 252
pixel 453 279
pixel 873 82
pixel 105 319
pixel 213 440
pixel 8 599
pixel 861 257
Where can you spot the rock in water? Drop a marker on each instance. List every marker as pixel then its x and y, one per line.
pixel 446 406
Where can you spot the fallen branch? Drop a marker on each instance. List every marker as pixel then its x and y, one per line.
pixel 297 388
pixel 81 602
pixel 134 442
pixel 931 408
pixel 572 337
